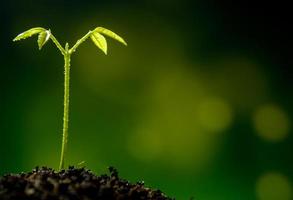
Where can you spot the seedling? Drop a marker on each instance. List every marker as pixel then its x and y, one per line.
pixel 43 36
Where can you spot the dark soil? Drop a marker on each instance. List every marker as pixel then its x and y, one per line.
pixel 73 184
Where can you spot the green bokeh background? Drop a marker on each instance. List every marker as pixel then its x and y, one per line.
pixel 198 104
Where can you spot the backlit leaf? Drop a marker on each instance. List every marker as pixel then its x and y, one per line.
pixel 99 41
pixel 110 34
pixel 28 33
pixel 44 36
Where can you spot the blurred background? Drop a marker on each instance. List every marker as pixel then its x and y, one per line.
pixel 198 105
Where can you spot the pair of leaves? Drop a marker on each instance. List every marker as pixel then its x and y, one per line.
pixel 97 36
pixel 100 41
pixel 43 37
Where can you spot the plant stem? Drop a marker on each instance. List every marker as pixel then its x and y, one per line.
pixel 73 49
pixel 58 45
pixel 67 56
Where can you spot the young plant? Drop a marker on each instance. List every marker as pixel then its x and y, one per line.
pixel 97 36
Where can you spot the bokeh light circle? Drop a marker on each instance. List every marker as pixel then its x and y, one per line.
pixel 273 186
pixel 169 130
pixel 271 123
pixel 214 114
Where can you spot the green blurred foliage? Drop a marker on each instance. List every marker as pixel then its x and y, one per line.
pixel 187 107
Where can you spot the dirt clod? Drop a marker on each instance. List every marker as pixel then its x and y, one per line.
pixel 73 184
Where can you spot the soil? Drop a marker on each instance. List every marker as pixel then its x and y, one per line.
pixel 73 184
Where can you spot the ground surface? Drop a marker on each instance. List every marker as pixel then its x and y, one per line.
pixel 72 184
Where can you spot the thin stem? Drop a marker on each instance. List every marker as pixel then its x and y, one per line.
pixel 67 56
pixel 73 49
pixel 57 44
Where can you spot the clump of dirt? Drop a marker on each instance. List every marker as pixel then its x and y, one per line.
pixel 73 184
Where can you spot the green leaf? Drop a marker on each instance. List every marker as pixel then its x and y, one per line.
pixel 44 36
pixel 110 34
pixel 99 41
pixel 28 33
